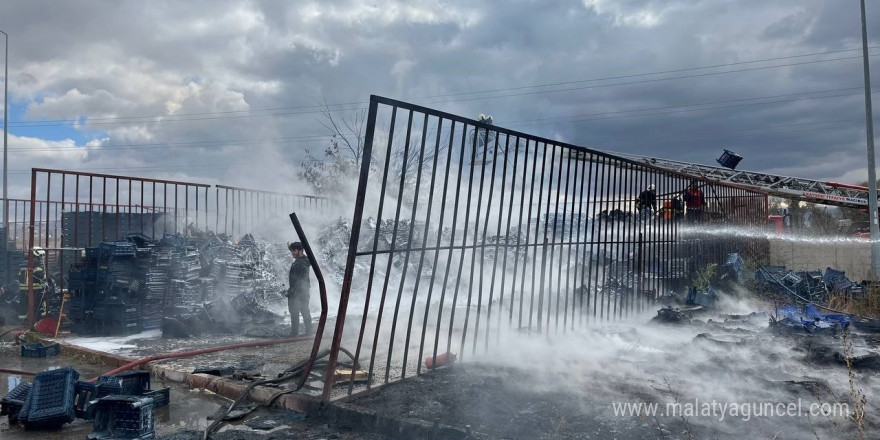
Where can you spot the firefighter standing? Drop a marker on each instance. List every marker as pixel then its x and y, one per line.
pixel 647 202
pixel 298 292
pixel 693 200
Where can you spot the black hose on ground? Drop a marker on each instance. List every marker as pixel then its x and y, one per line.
pixel 287 375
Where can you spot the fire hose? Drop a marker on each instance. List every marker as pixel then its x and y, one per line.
pixel 181 354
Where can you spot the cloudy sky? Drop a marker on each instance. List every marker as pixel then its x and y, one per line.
pixel 227 91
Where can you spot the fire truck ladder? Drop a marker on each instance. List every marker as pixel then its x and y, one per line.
pixel 813 191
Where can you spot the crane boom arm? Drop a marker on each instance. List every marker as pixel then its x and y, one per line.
pixel 814 191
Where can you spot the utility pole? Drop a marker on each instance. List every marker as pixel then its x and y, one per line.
pixel 5 138
pixel 872 172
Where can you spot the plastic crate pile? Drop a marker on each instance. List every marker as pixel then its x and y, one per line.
pixel 125 287
pixel 813 286
pixel 121 405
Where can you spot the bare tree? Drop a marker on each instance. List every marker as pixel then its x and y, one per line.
pixel 342 157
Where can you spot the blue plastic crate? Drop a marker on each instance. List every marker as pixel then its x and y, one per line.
pixel 86 392
pixel 50 402
pixel 124 417
pixel 133 383
pixel 11 404
pixel 40 350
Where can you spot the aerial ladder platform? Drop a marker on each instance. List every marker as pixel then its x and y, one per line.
pixel 813 191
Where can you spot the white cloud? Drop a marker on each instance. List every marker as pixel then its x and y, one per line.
pixel 219 61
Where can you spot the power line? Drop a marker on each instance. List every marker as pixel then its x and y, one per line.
pixel 561 118
pixel 645 74
pixel 570 89
pixel 528 122
pixel 231 115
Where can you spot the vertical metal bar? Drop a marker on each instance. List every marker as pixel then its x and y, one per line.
pixel 30 247
pixel 538 239
pixel 394 229
pixel 560 240
pixel 409 239
pixel 352 250
pixel 543 248
pixel 586 177
pixel 449 158
pixel 569 239
pixel 130 184
pixel 627 237
pixel 599 227
pixel 91 210
pixel 186 208
pixel 76 212
pixel 522 287
pixel 507 234
pixel 451 242
pixel 153 213
pixel 482 245
pixel 464 236
pixel 141 210
pixel 60 221
pixel 116 237
pixel 103 209
pixel 498 243
pixel 48 215
pixel 176 215
pixel 412 307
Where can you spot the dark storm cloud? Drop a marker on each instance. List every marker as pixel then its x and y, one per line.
pixel 214 58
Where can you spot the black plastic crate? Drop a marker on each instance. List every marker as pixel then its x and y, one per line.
pixel 40 350
pixel 11 404
pixel 117 249
pixel 124 417
pixel 86 392
pixel 50 402
pixel 133 383
pixel 161 397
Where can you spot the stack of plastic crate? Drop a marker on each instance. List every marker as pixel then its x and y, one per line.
pixel 50 401
pixel 155 285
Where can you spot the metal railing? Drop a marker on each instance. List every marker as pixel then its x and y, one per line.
pixel 462 230
pixel 71 210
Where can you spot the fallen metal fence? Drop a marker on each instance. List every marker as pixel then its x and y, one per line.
pixel 463 230
pixel 72 210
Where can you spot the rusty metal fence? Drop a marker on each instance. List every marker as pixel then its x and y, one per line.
pixel 462 230
pixel 72 210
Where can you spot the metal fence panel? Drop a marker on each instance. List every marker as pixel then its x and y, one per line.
pixel 462 230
